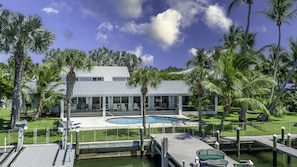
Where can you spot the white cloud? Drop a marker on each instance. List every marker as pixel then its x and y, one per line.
pixel 165 28
pixel 147 59
pixel 189 9
pixel 130 8
pixel 192 51
pixel 215 18
pixel 106 25
pixel 262 29
pixel 62 5
pixel 134 28
pixel 101 36
pixel 50 10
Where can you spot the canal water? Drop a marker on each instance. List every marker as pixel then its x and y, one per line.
pixel 264 159
pixel 119 162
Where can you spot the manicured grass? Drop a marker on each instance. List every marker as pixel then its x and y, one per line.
pixel 41 131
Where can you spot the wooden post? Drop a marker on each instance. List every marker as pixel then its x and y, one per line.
pixel 289 145
pixel 217 145
pixel 218 135
pixel 283 135
pixel 77 145
pixel 274 152
pixel 164 150
pixel 238 141
pixel 153 145
pixel 141 141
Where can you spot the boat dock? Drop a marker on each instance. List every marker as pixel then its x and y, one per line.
pixel 39 155
pixel 182 148
pixel 267 141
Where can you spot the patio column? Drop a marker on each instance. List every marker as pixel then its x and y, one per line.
pixel 90 103
pixel 104 106
pixel 180 105
pixel 61 109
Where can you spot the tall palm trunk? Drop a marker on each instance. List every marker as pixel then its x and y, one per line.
pixel 225 113
pixel 200 113
pixel 70 78
pixel 38 112
pixel 276 61
pixel 247 29
pixel 17 90
pixel 282 89
pixel 144 91
pixel 200 93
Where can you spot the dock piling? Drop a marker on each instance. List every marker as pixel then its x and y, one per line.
pixel 164 156
pixel 289 137
pixel 274 152
pixel 141 141
pixel 283 135
pixel 217 145
pixel 218 135
pixel 238 141
pixel 77 145
pixel 153 145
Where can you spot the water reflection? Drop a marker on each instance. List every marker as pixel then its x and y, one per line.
pixel 119 162
pixel 264 159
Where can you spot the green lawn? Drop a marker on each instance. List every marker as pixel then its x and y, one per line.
pixel 41 131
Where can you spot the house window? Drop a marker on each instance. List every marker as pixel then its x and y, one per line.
pixel 136 99
pixel 98 79
pixel 117 100
pixel 186 100
pixel 96 100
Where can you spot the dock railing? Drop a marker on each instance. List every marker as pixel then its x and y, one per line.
pixel 112 133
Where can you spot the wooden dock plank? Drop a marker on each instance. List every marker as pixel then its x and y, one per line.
pixel 43 155
pixel 183 147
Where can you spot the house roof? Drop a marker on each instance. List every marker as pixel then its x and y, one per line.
pixel 121 88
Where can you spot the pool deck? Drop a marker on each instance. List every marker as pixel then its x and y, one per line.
pixel 101 123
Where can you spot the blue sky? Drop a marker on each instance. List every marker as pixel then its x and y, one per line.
pixel 162 32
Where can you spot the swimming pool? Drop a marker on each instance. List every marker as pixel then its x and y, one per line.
pixel 149 120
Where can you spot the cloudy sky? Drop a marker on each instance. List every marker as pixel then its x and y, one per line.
pixel 162 32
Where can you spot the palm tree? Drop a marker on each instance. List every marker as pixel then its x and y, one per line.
pixel 6 84
pixel 21 34
pixel 106 57
pixel 200 81
pixel 144 77
pixel 47 82
pixel 293 47
pixel 239 84
pixel 235 3
pixel 279 11
pixel 73 60
pixel 200 77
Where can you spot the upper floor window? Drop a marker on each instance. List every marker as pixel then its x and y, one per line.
pixel 98 79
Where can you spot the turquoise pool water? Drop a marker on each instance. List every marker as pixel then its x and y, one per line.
pixel 149 120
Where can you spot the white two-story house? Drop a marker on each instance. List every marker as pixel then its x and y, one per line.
pixel 104 91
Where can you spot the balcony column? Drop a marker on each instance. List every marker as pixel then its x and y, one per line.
pixel 104 106
pixel 180 105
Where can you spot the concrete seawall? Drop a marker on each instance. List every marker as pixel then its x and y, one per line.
pixel 111 148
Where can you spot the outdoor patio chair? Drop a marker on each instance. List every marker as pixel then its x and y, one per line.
pixel 130 107
pixel 115 107
pixel 123 107
pixel 136 106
